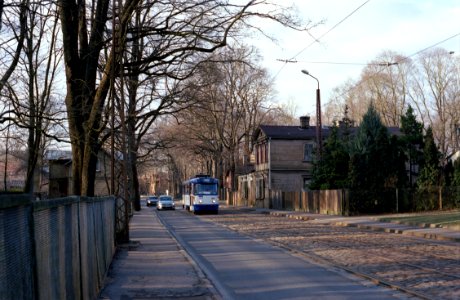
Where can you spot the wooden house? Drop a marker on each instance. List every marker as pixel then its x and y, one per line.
pixel 283 160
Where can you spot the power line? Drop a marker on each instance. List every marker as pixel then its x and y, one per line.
pixel 427 48
pixel 398 62
pixel 332 28
pixel 292 59
pixel 383 64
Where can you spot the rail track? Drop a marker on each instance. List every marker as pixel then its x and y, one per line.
pixel 422 268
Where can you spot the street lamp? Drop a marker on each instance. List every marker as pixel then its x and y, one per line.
pixel 319 139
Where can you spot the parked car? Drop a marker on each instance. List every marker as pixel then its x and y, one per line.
pixel 152 200
pixel 165 202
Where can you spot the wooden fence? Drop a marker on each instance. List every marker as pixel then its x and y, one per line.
pixel 346 202
pixel 332 202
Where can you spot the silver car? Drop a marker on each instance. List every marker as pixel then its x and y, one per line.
pixel 165 202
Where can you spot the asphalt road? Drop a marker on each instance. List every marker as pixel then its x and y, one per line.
pixel 241 267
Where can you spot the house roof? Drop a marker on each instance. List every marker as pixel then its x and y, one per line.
pixel 298 133
pixel 66 155
pixel 291 132
pixel 58 154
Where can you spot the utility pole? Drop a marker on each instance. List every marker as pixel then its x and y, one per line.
pixel 319 138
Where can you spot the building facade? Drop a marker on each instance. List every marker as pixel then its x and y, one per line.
pixel 283 160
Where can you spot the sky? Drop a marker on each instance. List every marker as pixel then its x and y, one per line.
pixel 352 34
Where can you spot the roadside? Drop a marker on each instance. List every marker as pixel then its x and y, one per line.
pixel 363 246
pixel 439 219
pixel 406 224
pixel 153 265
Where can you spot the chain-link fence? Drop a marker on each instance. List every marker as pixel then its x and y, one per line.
pixel 16 248
pixel 55 249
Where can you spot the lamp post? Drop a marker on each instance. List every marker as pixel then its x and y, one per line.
pixel 319 139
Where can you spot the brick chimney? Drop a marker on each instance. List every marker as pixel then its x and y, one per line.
pixel 304 122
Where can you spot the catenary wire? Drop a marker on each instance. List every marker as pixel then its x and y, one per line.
pixel 323 35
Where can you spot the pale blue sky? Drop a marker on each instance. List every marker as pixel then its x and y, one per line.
pixel 403 26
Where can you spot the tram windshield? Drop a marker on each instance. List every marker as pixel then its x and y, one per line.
pixel 206 189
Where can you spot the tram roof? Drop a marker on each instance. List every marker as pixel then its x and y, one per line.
pixel 202 179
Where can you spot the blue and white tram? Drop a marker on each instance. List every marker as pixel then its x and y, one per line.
pixel 200 194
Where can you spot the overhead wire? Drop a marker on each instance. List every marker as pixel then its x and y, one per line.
pixel 332 28
pixel 294 60
pixel 427 48
pixel 383 64
pixel 398 62
pixel 318 39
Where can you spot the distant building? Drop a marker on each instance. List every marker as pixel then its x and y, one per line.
pixel 13 172
pixel 60 173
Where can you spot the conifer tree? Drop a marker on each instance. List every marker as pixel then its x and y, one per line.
pixel 332 171
pixel 430 171
pixel 456 175
pixel 369 149
pixel 375 164
pixel 412 140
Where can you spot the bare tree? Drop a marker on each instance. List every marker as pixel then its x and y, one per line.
pixel 33 97
pixel 177 31
pixel 232 98
pixel 435 89
pixel 13 17
pixel 383 82
pixel 430 84
pixel 28 90
pixel 350 94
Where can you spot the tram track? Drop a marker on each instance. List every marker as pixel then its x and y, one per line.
pixel 422 268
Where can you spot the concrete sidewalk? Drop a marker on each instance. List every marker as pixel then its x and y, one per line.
pixel 372 223
pixel 153 266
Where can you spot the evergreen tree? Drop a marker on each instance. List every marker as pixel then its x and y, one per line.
pixel 412 142
pixel 448 174
pixel 430 171
pixel 332 171
pixel 397 175
pixel 456 175
pixel 369 150
pixel 376 163
pixel 430 175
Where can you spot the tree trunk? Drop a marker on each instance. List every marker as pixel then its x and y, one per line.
pixel 134 184
pixel 84 101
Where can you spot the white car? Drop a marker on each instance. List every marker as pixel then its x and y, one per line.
pixel 165 202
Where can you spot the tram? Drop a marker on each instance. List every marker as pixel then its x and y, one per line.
pixel 201 194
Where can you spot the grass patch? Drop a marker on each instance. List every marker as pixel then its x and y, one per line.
pixel 446 219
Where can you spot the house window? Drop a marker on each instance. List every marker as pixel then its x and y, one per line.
pixel 306 183
pixel 98 165
pixel 308 152
pixel 260 188
pixel 245 190
pixel 261 153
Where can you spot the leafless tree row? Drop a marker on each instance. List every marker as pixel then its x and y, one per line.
pixel 430 83
pixel 82 72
